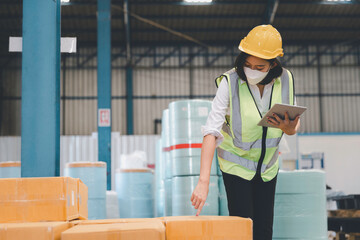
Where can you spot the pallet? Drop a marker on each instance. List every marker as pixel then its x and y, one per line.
pixel 350 213
pixel 347 236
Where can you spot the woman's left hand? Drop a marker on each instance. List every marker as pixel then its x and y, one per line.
pixel 287 126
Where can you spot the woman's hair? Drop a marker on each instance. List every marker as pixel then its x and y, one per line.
pixel 273 73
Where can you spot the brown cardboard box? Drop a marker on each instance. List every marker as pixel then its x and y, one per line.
pixel 82 200
pixel 33 231
pixel 153 230
pixel 208 227
pixel 42 199
pixel 118 220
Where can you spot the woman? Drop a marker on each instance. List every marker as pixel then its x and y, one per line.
pixel 247 153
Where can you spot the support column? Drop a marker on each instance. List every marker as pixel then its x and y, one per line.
pixel 129 74
pixel 319 76
pixel 104 84
pixel 40 105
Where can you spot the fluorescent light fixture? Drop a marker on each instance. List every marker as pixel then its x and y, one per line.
pixel 198 1
pixel 65 1
pixel 338 0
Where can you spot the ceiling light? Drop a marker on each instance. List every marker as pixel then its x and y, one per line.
pixel 65 1
pixel 198 1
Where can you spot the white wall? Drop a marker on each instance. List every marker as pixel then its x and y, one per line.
pixel 85 149
pixel 341 160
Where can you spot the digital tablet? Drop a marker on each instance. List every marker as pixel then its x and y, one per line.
pixel 280 110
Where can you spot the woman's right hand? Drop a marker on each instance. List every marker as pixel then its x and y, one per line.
pixel 199 195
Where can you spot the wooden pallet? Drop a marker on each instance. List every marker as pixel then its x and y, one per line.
pixel 349 213
pixel 347 236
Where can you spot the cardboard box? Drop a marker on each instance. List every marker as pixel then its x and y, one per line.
pixel 33 231
pixel 111 221
pixel 153 230
pixel 42 199
pixel 208 227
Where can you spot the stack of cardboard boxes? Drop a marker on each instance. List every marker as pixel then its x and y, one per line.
pixel 40 208
pixel 56 209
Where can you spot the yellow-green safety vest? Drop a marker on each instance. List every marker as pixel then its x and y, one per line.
pixel 247 148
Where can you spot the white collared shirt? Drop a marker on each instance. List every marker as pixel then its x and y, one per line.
pixel 221 103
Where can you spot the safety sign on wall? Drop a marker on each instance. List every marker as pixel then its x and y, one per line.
pixel 104 117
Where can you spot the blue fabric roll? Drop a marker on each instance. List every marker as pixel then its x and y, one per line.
pixel 224 211
pixel 300 205
pixel 93 177
pixel 93 174
pixel 10 172
pixel 97 208
pixel 165 136
pixel 190 166
pixel 159 181
pixel 135 192
pixel 186 118
pixel 183 187
pixel 168 197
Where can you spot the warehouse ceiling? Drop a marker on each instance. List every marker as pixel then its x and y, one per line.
pixel 223 22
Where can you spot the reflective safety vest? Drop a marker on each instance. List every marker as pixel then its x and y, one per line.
pixel 249 149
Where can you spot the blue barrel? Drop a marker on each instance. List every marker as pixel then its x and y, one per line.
pixel 300 205
pixel 168 197
pixel 183 188
pixel 165 136
pixel 10 169
pixel 135 192
pixel 186 118
pixel 159 181
pixel 93 174
pixel 223 205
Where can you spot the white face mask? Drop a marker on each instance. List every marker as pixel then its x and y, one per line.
pixel 254 76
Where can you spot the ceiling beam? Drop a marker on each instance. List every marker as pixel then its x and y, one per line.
pixel 181 3
pixel 271 8
pixel 201 30
pixel 201 16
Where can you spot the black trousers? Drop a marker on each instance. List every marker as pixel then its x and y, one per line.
pixel 252 199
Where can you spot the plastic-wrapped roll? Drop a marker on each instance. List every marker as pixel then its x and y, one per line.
pixel 223 205
pixel 96 208
pixel 219 173
pixel 112 205
pixel 165 136
pixel 168 197
pixel 93 174
pixel 159 181
pixel 135 192
pixel 10 169
pixel 300 205
pixel 186 118
pixel 182 189
pixel 293 181
pixel 188 166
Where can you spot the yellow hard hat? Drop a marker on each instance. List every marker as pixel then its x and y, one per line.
pixel 263 41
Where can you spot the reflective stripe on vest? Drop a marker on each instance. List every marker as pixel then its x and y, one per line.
pixel 236 131
pixel 251 165
pixel 270 142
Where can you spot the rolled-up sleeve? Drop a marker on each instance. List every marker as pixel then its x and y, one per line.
pixel 216 118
